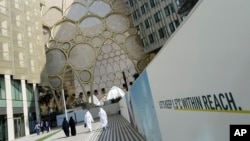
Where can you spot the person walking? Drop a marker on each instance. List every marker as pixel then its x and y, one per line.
pixel 72 125
pixel 88 120
pixel 103 118
pixel 47 126
pixel 65 127
pixel 37 128
pixel 41 126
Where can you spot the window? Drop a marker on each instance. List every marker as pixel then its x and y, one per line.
pixel 147 7
pixel 171 7
pixel 4 51
pixel 29 92
pixel 152 38
pixel 152 3
pixel 16 89
pixel 166 11
pixel 29 31
pixel 137 13
pixel 146 23
pixel 158 16
pixel 165 29
pixel 3 5
pixel 145 43
pixel 163 32
pixel 177 23
pixel 172 28
pixel 134 15
pixel 131 2
pixel 143 9
pixel 2 87
pixel 17 3
pixel 140 26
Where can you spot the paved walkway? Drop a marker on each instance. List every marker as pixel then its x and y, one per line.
pixel 119 130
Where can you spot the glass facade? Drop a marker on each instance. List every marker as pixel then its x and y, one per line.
pixel 3 128
pixel 155 15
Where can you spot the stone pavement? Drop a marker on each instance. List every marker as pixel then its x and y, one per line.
pixel 82 134
pixel 119 130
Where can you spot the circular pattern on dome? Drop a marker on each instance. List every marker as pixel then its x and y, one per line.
pixel 100 8
pixel 132 70
pixel 142 64
pixel 130 78
pixel 109 84
pixel 55 61
pixel 105 56
pixel 96 41
pixel 120 38
pixel 106 48
pixel 104 62
pixel 66 45
pixel 56 82
pixel 52 44
pixel 99 57
pixel 123 57
pixel 82 56
pixel 118 75
pixel 110 60
pixel 102 85
pixel 117 82
pixel 112 54
pixel 64 31
pixel 95 86
pixel 111 76
pixel 117 53
pixel 76 11
pixel 97 79
pixel 106 34
pixel 91 26
pixel 117 58
pixel 134 47
pixel 79 38
pixel 104 78
pixel 117 23
pixel 132 30
pixel 85 75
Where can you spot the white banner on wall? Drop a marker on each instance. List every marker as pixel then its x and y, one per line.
pixel 200 80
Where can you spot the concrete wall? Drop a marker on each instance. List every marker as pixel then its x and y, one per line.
pixel 124 109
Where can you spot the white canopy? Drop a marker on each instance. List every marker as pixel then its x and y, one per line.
pixel 95 99
pixel 115 92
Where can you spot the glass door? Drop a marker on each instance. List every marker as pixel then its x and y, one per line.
pixel 17 126
pixel 3 129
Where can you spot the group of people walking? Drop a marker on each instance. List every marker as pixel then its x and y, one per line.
pixel 71 124
pixel 42 126
pixel 70 127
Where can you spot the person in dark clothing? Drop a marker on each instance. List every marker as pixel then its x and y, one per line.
pixel 41 126
pixel 72 125
pixel 65 127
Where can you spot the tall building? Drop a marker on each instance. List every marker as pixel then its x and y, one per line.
pixel 156 21
pixel 22 59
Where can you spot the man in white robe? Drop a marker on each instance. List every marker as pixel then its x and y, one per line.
pixel 103 119
pixel 88 120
